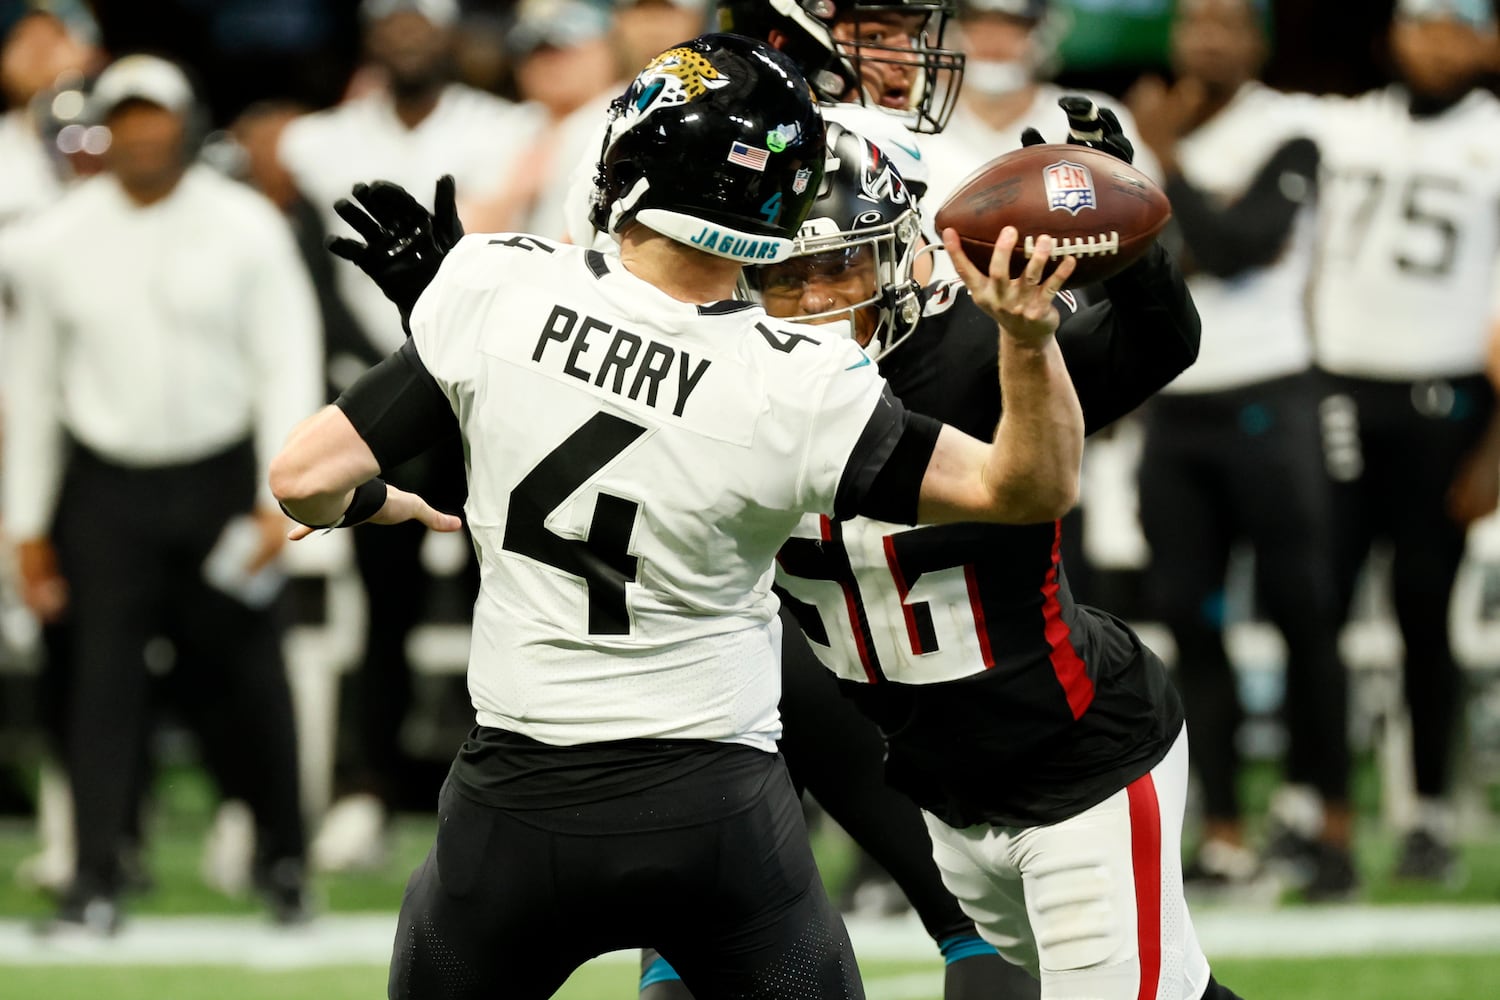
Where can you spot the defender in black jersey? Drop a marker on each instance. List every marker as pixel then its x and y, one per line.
pixel 1043 740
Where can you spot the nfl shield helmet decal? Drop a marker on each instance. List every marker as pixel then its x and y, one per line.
pixel 799 182
pixel 1070 187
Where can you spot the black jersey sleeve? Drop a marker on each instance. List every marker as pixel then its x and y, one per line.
pixel 398 408
pixel 1251 232
pixel 1123 348
pixel 883 477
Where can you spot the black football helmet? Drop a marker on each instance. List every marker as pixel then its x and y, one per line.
pixel 718 144
pixel 833 67
pixel 865 217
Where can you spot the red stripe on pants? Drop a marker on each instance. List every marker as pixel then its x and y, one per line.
pixel 1145 856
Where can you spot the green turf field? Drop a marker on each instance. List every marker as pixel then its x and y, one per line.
pixel 1458 977
pixel 184 804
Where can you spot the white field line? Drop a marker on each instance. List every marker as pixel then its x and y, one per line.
pixel 365 939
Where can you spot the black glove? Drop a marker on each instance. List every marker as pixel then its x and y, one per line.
pixel 404 243
pixel 1089 125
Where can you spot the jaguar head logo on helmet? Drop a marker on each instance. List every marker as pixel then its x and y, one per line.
pixel 718 144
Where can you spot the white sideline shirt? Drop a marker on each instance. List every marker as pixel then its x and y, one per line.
pixel 154 336
pixel 1255 323
pixel 1409 236
pixel 470 134
pixel 604 418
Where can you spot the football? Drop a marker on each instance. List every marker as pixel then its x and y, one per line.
pixel 1099 208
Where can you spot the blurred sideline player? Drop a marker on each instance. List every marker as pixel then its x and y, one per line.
pixel 1404 321
pixel 41 53
pixel 166 339
pixel 1043 741
pixel 624 665
pixel 1233 449
pixel 417 125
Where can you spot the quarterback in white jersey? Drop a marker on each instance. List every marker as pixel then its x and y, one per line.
pixel 638 447
pixel 1404 324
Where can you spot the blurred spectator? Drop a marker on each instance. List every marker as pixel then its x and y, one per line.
pixel 415 126
pixel 257 136
pixel 566 67
pixel 1233 451
pixel 43 62
pixel 41 57
pixel 1404 323
pixel 140 417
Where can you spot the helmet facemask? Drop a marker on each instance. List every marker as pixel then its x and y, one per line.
pixel 886 250
pixel 914 77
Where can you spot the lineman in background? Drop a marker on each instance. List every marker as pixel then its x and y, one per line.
pixel 1404 324
pixel 1233 450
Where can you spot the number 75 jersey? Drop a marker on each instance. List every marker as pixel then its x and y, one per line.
pixel 634 463
pixel 1409 232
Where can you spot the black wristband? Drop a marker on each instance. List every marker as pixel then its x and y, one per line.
pixel 368 498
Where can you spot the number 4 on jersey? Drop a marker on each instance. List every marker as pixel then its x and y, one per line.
pixel 602 559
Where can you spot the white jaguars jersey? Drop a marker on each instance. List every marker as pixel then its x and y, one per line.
pixel 1254 324
pixel 1408 236
pixel 634 464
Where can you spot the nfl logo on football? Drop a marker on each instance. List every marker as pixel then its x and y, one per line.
pixel 1070 187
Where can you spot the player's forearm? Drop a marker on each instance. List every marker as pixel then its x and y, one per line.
pixel 1034 462
pixel 315 473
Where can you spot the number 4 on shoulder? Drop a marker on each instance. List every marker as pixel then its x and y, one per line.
pixel 783 341
pixel 522 243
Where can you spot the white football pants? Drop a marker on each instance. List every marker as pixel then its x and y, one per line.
pixel 1092 905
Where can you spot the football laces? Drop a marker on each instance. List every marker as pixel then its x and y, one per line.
pixel 1102 245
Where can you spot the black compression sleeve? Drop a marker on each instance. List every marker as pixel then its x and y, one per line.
pixel 1253 231
pixel 883 478
pixel 1121 350
pixel 398 408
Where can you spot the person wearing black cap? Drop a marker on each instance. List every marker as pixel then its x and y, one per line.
pixel 141 416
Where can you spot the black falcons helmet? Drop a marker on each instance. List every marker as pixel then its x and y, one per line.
pixel 718 144
pixel 864 215
pixel 833 68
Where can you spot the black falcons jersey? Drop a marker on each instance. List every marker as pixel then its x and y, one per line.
pixel 1002 700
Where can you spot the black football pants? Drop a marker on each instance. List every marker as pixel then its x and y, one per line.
pixel 1391 479
pixel 1218 468
pixel 131 543
pixel 510 902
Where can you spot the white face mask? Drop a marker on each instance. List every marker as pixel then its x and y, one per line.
pixel 995 77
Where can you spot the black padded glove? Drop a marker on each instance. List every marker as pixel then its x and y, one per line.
pixel 404 243
pixel 1089 125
